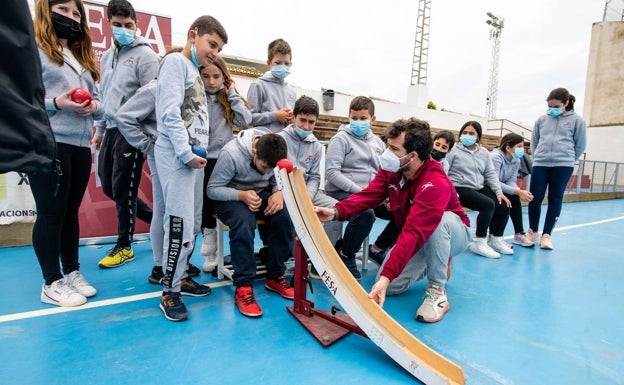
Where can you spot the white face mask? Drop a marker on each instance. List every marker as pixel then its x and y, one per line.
pixel 390 162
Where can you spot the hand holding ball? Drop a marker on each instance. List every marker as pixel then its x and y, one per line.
pixel 80 95
pixel 285 164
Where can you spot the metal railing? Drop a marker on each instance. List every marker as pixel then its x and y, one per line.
pixel 591 176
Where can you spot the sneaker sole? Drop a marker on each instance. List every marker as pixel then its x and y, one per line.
pixel 154 281
pixel 48 300
pixel 421 319
pixel 524 244
pixel 171 318
pixel 276 291
pixel 250 315
pixel 102 266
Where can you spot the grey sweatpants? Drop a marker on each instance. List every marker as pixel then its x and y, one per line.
pixel 182 196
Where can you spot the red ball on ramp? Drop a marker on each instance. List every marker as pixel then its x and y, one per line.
pixel 285 164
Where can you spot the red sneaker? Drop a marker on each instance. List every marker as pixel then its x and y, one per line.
pixel 246 302
pixel 279 285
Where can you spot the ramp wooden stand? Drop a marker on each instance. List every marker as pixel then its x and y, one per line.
pixel 405 349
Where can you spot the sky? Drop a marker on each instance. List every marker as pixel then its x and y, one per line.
pixel 366 47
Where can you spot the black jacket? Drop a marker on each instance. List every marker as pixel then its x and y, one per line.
pixel 26 139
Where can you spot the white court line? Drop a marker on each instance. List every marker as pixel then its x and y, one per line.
pixel 91 305
pixel 580 225
pixel 139 297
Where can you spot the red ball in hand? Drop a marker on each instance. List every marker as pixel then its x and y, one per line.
pixel 285 164
pixel 80 95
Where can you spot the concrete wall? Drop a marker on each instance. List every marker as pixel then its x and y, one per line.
pixel 604 96
pixel 604 93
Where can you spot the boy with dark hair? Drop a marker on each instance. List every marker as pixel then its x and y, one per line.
pixel 180 150
pixel 127 66
pixel 443 142
pixel 426 209
pixel 351 163
pixel 244 189
pixel 270 97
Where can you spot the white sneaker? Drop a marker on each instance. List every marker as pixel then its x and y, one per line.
pixel 209 243
pixel 533 236
pixel 61 294
pixel 499 245
pixel 523 240
pixel 78 282
pixel 210 263
pixel 480 247
pixel 434 306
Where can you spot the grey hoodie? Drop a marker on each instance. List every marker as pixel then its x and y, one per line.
pixel 472 169
pixel 266 95
pixel 306 155
pixel 68 127
pixel 220 130
pixel 136 119
pixel 352 162
pixel 181 109
pixel 506 169
pixel 558 141
pixel 124 70
pixel 233 171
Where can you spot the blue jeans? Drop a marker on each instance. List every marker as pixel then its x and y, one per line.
pixel 556 179
pixel 451 237
pixel 242 223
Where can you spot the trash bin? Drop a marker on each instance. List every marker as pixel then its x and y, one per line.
pixel 328 100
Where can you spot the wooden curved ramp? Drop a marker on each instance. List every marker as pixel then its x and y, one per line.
pixel 409 352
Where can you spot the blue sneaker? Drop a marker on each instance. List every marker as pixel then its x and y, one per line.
pixel 378 257
pixel 351 265
pixel 173 307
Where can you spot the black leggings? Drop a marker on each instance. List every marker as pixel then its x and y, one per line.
pixel 515 213
pixel 491 213
pixel 56 231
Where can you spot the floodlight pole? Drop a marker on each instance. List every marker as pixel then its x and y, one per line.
pixel 497 24
pixel 421 43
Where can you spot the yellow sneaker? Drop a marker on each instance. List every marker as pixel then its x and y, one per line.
pixel 117 256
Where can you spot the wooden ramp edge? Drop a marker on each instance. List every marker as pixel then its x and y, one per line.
pixel 414 356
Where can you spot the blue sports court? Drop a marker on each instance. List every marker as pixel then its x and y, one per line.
pixel 537 317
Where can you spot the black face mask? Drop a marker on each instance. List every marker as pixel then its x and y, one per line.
pixel 65 27
pixel 438 155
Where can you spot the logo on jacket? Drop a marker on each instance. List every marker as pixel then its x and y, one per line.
pixel 392 186
pixel 130 62
pixel 426 186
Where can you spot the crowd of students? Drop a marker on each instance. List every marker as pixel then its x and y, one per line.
pixel 180 112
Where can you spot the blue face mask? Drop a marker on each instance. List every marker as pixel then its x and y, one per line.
pixel 302 133
pixel 123 36
pixel 554 111
pixel 518 153
pixel 281 71
pixel 468 140
pixel 194 56
pixel 359 127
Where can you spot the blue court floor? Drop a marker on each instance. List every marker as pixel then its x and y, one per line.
pixel 537 317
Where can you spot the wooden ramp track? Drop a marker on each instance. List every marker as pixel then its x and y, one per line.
pixel 414 356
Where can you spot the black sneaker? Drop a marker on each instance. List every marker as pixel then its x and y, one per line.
pixel 194 289
pixel 156 276
pixel 351 265
pixel 173 307
pixel 378 258
pixel 192 270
